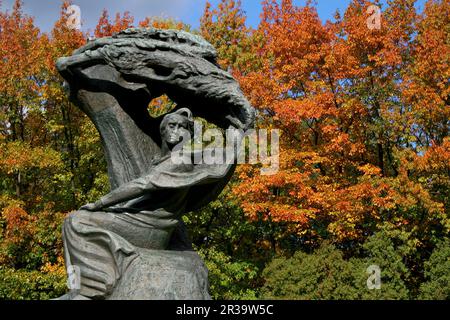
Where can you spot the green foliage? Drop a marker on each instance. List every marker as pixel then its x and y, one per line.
pixel 223 224
pixel 437 272
pixel 326 274
pixel 229 279
pixel 321 275
pixel 30 285
pixel 223 237
pixel 91 178
pixel 389 250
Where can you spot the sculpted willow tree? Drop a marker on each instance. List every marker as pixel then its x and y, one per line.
pixel 132 243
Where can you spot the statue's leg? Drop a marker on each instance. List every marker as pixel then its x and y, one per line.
pixel 94 250
pixel 101 245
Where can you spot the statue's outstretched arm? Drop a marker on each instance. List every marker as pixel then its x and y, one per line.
pixel 125 192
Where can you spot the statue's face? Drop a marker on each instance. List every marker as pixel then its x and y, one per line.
pixel 175 129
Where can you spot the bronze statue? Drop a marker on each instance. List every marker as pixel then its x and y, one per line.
pixel 136 231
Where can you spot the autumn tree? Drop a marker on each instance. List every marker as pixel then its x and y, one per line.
pixel 224 27
pixel 105 27
pixel 22 68
pixel 40 154
pixel 335 91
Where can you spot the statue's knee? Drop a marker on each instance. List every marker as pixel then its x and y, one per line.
pixel 73 219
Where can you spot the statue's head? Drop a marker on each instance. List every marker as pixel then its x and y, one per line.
pixel 175 126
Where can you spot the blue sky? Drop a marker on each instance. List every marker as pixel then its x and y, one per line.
pixel 46 12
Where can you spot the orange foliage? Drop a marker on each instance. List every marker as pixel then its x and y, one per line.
pixel 351 103
pixel 163 24
pixel 17 224
pixel 106 28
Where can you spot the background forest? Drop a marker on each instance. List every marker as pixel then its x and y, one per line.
pixel 364 173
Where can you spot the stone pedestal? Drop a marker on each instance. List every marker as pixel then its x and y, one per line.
pixel 163 275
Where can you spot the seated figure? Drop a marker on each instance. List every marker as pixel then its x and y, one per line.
pixel 101 238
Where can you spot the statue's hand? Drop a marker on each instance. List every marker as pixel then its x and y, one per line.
pixel 91 207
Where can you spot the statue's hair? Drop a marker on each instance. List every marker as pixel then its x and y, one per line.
pixel 184 112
